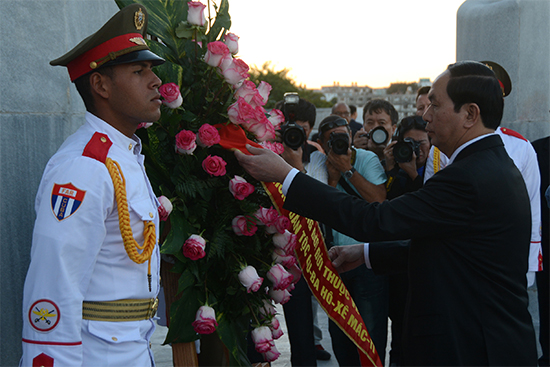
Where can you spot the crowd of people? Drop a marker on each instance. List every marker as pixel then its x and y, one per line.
pixel 387 159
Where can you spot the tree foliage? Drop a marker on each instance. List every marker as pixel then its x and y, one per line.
pixel 401 88
pixel 281 83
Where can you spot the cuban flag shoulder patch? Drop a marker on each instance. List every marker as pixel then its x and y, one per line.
pixel 66 199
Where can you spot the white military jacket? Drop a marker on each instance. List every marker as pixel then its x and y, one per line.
pixel 78 255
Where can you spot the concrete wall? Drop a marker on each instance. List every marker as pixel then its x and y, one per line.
pixel 39 108
pixel 513 33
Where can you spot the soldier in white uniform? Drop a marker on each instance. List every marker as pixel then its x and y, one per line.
pixel 525 158
pixel 91 289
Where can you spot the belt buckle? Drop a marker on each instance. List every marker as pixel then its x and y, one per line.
pixel 153 305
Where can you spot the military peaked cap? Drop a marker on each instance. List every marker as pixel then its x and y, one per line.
pixel 119 41
pixel 502 76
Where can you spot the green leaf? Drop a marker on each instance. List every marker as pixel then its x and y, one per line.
pixel 222 22
pixel 184 30
pixel 182 315
pixel 232 332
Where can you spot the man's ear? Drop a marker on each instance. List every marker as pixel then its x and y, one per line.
pixel 473 114
pixel 100 84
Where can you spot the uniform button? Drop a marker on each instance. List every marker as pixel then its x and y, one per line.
pixel 150 345
pixel 151 215
pixel 114 338
pixel 103 139
pixel 130 147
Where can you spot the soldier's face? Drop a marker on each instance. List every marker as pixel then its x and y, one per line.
pixel 134 96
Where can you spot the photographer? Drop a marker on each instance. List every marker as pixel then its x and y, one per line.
pixel 406 156
pixel 359 173
pixel 299 121
pixel 379 123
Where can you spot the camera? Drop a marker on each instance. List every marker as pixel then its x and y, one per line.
pixel 378 135
pixel 292 134
pixel 339 143
pixel 403 150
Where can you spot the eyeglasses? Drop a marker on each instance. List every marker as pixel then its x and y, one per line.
pixel 332 124
pixel 342 114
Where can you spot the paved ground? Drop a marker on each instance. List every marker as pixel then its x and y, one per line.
pixel 163 354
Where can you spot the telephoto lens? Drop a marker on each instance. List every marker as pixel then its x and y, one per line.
pixel 339 143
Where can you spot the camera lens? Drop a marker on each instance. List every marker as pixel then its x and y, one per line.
pixel 402 152
pixel 293 135
pixel 379 135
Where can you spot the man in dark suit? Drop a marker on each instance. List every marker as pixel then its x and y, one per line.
pixel 469 225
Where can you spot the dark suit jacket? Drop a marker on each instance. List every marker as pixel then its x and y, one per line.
pixel 470 232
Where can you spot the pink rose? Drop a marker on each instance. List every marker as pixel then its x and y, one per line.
pixel 242 113
pixel 275 327
pixel 250 279
pixel 263 129
pixel 145 125
pixel 275 147
pixel 195 14
pixel 263 90
pixel 296 273
pixel 267 310
pixel 267 216
pixel 282 296
pixel 165 207
pixel 240 188
pixel 247 90
pixel 185 142
pixel 208 136
pixel 280 278
pixel 243 226
pixel 276 118
pixel 214 165
pixel 205 320
pixel 281 224
pixel 216 51
pixel 193 248
pixel 279 257
pixel 234 70
pixel 232 42
pixel 263 340
pixel 271 355
pixel 171 94
pixel 285 241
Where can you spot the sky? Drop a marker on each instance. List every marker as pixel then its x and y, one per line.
pixel 369 42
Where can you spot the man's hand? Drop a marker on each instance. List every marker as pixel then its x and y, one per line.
pixel 293 157
pixel 345 258
pixel 360 139
pixel 263 164
pixel 388 156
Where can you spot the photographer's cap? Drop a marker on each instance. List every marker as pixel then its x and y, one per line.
pixel 502 76
pixel 119 41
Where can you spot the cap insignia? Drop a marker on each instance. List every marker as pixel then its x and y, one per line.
pixel 138 41
pixel 139 19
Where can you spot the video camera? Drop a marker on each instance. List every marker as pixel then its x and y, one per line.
pixel 292 134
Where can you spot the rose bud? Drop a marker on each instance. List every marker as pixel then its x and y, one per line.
pixel 271 355
pixel 243 226
pixel 193 248
pixel 264 89
pixel 216 52
pixel 232 42
pixel 240 188
pixel 185 142
pixel 145 125
pixel 263 340
pixel 296 273
pixel 250 279
pixel 171 94
pixel 208 135
pixel 205 320
pixel 266 216
pixel 281 297
pixel 280 257
pixel 267 309
pixel 275 328
pixel 274 146
pixel 195 14
pixel 279 277
pixel 286 241
pixel 165 207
